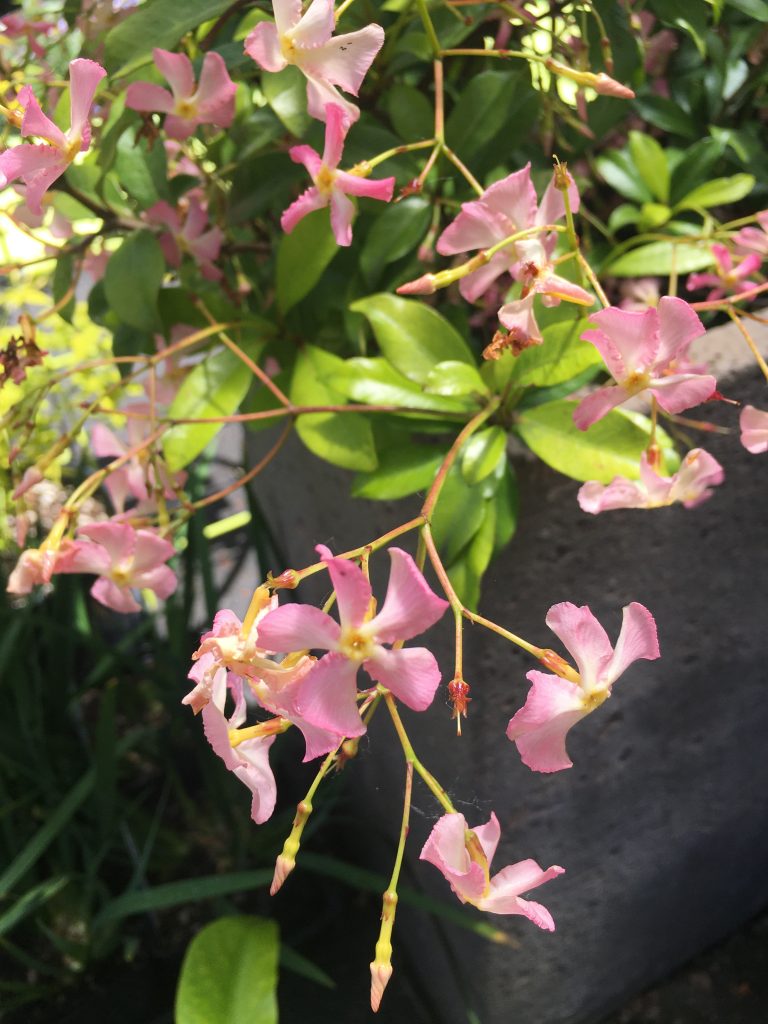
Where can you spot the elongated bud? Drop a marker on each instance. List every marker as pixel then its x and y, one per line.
pixel 380 974
pixel 601 83
pixel 283 867
pixel 424 285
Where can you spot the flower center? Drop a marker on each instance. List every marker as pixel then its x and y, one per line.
pixel 288 48
pixel 637 382
pixel 324 180
pixel 73 146
pixel 185 108
pixel 355 645
pixel 595 698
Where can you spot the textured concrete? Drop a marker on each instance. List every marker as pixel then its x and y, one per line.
pixel 662 824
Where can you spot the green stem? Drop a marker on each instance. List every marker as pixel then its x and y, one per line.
pixel 410 756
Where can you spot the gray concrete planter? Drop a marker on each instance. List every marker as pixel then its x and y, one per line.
pixel 662 824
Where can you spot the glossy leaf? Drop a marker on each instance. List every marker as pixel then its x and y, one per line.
pixel 661 258
pixel 410 112
pixel 159 23
pixel 561 356
pixel 343 439
pixel 395 233
pixel 458 515
pixel 215 387
pixel 132 281
pixel 377 382
pixel 302 257
pixel 482 452
pixel 617 169
pixel 401 471
pixel 718 192
pixel 286 93
pixel 229 974
pixel 455 378
pixel 651 162
pixel 412 336
pixel 611 447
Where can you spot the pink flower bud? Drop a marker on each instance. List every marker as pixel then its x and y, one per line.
pixel 380 975
pixel 608 86
pixel 283 867
pixel 424 285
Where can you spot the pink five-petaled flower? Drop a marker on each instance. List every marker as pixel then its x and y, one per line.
pixel 754 239
pixel 327 696
pixel 464 857
pixel 212 102
pixel 754 429
pixel 305 40
pixel 123 559
pixel 639 350
pixel 699 472
pixel 248 760
pixel 331 186
pixel 555 704
pixel 186 233
pixel 39 165
pixel 509 206
pixel 727 277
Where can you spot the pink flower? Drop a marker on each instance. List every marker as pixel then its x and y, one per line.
pixel 639 350
pixel 187 233
pixel 248 760
pixel 331 186
pixel 699 472
pixel 639 293
pixel 519 319
pixel 305 40
pixel 754 239
pixel 754 429
pixel 555 704
pixel 212 102
pixel 328 695
pixel 35 567
pixel 39 165
pixel 464 857
pixel 123 559
pixel 727 277
pixel 506 208
pixel 16 25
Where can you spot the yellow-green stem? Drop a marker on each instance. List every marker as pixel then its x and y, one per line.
pixel 410 756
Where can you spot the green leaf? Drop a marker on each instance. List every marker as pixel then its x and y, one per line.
pixel 458 515
pixel 176 894
pixel 215 387
pixel 159 23
pixel 410 112
pixel 454 378
pixel 132 281
pixel 397 231
pixel 616 168
pixel 286 93
pixel 229 974
pixel 757 9
pixel 507 508
pixel 611 447
pixel 302 257
pixel 718 192
pixel 561 356
pixel 667 115
pixel 343 439
pixel 653 216
pixel 658 258
pixel 484 108
pixel 402 471
pixel 30 902
pixel 412 336
pixel 377 382
pixel 140 169
pixel 651 162
pixel 481 454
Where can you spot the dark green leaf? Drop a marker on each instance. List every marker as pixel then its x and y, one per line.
pixel 132 281
pixel 651 162
pixel 402 471
pixel 286 93
pixel 481 454
pixel 62 282
pixel 302 257
pixel 397 231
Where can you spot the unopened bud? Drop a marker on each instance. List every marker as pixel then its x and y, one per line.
pixel 348 750
pixel 31 477
pixel 424 285
pixel 381 972
pixel 608 86
pixel 283 867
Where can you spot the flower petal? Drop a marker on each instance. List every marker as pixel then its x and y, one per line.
pixel 353 591
pixel 35 122
pixel 306 203
pixel 638 639
pixel 216 92
pixel 584 638
pixel 321 92
pixel 682 391
pixel 446 849
pixel 119 599
pixel 594 497
pixel 287 14
pixel 177 69
pixel 84 77
pixel 342 213
pixel 599 404
pixel 627 340
pixel 296 627
pixel 119 539
pixel 263 46
pixel 412 674
pixel 150 551
pixel 476 227
pixel 256 774
pixel 539 728
pixel 337 125
pixel 327 696
pixel 410 607
pixel 343 60
pixel 479 281
pixel 371 188
pixel 753 423
pixel 488 835
pixel 506 886
pixel 148 97
pixel 679 324
pixel 316 25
